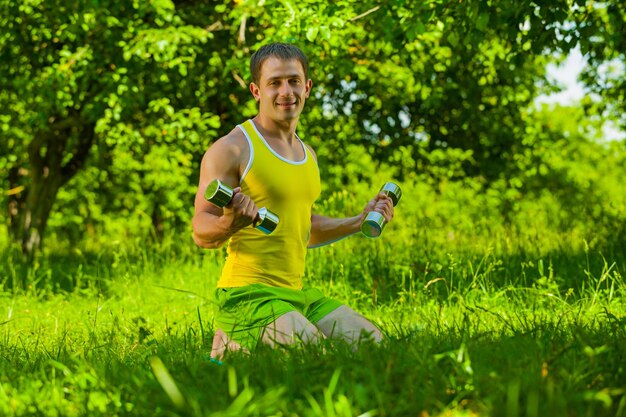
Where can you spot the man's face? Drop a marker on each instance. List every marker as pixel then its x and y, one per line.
pixel 282 89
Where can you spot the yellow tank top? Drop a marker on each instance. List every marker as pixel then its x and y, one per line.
pixel 289 189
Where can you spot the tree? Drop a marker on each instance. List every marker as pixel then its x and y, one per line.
pixel 600 30
pixel 137 90
pixel 68 69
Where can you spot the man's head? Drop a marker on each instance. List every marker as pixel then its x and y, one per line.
pixel 279 81
pixel 278 50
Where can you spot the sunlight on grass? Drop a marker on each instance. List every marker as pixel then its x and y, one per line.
pixel 480 332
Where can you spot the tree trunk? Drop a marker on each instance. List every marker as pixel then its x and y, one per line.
pixel 37 208
pixel 158 223
pixel 55 156
pixel 16 201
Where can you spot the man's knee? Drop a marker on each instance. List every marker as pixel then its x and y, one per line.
pixel 345 323
pixel 290 328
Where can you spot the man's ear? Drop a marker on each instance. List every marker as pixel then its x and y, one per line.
pixel 309 85
pixel 254 89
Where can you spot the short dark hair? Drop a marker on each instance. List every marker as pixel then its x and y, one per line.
pixel 278 50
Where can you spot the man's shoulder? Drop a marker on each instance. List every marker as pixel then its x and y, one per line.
pixel 235 138
pixel 310 148
pixel 232 145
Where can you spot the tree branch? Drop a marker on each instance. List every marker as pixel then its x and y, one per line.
pixel 87 137
pixel 372 10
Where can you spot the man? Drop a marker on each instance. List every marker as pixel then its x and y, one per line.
pixel 260 294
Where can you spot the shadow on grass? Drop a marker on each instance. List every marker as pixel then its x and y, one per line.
pixel 554 368
pixel 569 275
pixel 76 270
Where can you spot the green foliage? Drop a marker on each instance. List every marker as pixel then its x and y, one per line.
pixel 600 29
pixel 73 97
pixel 420 92
pixel 561 161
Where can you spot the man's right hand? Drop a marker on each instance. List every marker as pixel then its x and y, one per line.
pixel 241 211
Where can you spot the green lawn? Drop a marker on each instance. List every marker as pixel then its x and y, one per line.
pixel 130 333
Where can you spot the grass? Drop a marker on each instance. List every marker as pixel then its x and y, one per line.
pixel 128 332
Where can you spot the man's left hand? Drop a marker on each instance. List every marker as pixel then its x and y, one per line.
pixel 382 204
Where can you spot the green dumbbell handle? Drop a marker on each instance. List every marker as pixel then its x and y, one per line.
pixel 374 222
pixel 220 194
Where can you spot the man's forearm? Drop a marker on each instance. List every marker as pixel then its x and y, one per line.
pixel 326 230
pixel 209 231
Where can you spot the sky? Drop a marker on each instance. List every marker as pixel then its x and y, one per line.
pixel 567 74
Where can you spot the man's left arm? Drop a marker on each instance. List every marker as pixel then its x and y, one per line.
pixel 326 230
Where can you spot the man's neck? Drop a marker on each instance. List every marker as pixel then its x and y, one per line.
pixel 281 130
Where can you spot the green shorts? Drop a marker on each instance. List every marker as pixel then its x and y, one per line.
pixel 243 312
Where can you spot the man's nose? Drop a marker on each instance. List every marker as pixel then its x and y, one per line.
pixel 285 89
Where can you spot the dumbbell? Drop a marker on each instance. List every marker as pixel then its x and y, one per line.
pixel 374 222
pixel 220 194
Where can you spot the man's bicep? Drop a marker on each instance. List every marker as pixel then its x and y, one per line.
pixel 221 161
pixel 218 162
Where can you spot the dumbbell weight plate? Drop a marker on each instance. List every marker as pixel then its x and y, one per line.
pixel 393 191
pixel 373 224
pixel 218 193
pixel 267 221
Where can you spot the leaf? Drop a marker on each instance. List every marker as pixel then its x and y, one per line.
pixel 453 38
pixel 482 21
pixel 311 33
pixel 325 32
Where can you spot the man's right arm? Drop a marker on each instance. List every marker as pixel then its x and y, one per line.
pixel 212 225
